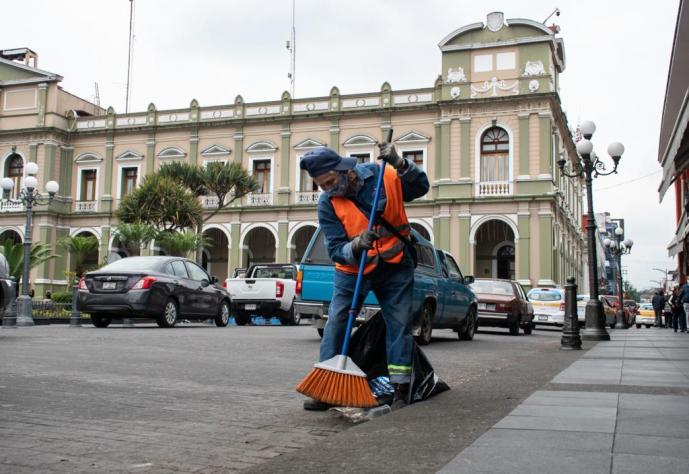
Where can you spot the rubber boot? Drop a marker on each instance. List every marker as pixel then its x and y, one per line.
pixel 312 404
pixel 401 397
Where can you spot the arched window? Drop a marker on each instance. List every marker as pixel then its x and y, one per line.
pixel 495 149
pixel 15 171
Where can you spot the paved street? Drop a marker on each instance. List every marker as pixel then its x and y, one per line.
pixel 206 399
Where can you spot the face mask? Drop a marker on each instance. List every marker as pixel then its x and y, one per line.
pixel 340 189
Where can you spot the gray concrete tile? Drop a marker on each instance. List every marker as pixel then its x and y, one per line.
pixel 643 464
pixel 652 423
pixel 517 460
pixel 565 411
pixel 573 399
pixel 596 425
pixel 652 445
pixel 546 440
pixel 671 404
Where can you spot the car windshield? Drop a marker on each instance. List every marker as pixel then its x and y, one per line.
pixel 646 306
pixel 133 264
pixel 583 297
pixel 544 295
pixel 492 287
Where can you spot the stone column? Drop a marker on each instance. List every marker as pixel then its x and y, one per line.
pixel 546 143
pixel 235 252
pixel 150 153
pixel 194 148
pixel 42 104
pixel 545 223
pixel 464 231
pixel 104 248
pixel 335 135
pixel 523 248
pixel 524 144
pixel 106 199
pixel 282 250
pixel 49 167
pixel 238 146
pixel 33 152
pixel 465 147
pixel 43 278
pixel 284 189
pixel 444 168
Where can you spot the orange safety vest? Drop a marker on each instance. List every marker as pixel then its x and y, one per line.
pixel 388 247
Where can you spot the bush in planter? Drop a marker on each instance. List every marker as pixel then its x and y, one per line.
pixel 62 297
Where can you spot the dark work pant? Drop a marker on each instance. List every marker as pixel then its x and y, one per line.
pixel 679 320
pixel 659 317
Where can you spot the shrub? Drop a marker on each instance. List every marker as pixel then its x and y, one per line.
pixel 62 297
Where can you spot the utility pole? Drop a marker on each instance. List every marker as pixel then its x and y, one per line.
pixel 292 47
pixel 130 54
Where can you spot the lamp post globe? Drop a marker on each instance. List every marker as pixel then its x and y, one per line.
pixel 587 129
pixel 31 168
pixel 584 147
pixel 7 184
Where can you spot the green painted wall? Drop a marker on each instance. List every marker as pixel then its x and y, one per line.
pixel 235 253
pixel 335 135
pixel 441 228
pixel 454 191
pixel 524 254
pixel 194 148
pixel 49 165
pixel 285 148
pixel 106 200
pixel 283 251
pixel 8 72
pixel 437 150
pixel 464 148
pixel 546 145
pixel 545 224
pixel 33 152
pixel 104 248
pixel 239 146
pixel 150 153
pixel 42 104
pixel 524 145
pixel 464 247
pixel 533 188
pixel 445 150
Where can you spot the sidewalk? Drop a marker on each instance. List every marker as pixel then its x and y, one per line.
pixel 622 408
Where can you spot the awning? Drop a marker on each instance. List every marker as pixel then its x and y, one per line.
pixel 670 170
pixel 675 246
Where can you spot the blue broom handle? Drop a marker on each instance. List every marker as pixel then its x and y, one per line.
pixel 364 255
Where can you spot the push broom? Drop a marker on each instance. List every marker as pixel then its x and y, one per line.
pixel 338 381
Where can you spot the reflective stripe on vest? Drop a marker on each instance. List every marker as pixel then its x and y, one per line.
pixel 387 247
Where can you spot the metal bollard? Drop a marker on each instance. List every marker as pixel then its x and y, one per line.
pixel 75 317
pixel 9 318
pixel 571 340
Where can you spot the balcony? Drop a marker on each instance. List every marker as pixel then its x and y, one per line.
pixel 209 202
pixel 258 199
pixel 7 206
pixel 86 206
pixel 493 188
pixel 307 197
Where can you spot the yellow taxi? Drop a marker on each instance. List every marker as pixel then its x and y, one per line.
pixel 646 315
pixel 548 306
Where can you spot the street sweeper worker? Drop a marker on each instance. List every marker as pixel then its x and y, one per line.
pixel 343 212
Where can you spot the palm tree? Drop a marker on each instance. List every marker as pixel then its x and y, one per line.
pixel 135 236
pixel 226 182
pixel 80 246
pixel 181 243
pixel 14 253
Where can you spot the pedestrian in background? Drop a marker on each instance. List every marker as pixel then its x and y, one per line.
pixel 658 303
pixel 684 298
pixel 679 320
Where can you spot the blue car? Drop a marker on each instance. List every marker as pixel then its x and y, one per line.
pixel 442 298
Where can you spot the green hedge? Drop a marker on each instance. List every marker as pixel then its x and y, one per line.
pixel 62 297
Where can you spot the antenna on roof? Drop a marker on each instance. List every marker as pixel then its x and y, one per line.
pixel 130 55
pixel 292 48
pixel 556 12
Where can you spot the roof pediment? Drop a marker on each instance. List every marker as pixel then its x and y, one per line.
pixel 216 150
pixel 129 155
pixel 308 143
pixel 88 157
pixel 413 137
pixel 262 146
pixel 359 140
pixel 172 152
pixel 12 72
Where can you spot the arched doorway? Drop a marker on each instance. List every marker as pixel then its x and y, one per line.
pixel 300 240
pixel 14 169
pixel 495 250
pixel 421 230
pixel 89 261
pixel 258 247
pixel 216 254
pixel 10 235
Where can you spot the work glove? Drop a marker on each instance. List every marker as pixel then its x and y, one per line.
pixel 389 154
pixel 363 241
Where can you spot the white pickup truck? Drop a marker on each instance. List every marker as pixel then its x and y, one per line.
pixel 267 290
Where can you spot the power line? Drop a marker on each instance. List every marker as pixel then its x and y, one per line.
pixel 627 182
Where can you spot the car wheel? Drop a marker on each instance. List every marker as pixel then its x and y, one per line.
pixel 242 318
pixel 290 317
pixel 169 317
pixel 466 333
pixel 528 329
pixel 638 326
pixel 426 324
pixel 223 316
pixel 648 326
pixel 514 327
pixel 320 332
pixel 100 320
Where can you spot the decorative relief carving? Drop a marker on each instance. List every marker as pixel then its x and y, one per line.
pixel 495 21
pixel 534 85
pixel 454 92
pixel 455 75
pixel 534 68
pixel 493 86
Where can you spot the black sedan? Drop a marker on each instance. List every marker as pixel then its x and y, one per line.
pixel 162 288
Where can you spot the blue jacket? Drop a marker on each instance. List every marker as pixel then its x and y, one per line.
pixel 414 184
pixel 684 294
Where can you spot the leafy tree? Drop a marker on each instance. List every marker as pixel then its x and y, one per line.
pixel 14 253
pixel 630 291
pixel 135 236
pixel 162 203
pixel 80 246
pixel 226 182
pixel 181 243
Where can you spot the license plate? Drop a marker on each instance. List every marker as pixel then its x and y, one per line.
pixel 482 306
pixel 250 306
pixel 542 318
pixel 109 285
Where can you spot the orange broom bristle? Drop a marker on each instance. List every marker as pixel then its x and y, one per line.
pixel 337 389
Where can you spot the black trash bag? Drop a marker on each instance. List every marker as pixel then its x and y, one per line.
pixel 367 350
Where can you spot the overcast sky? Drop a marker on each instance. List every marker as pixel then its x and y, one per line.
pixel 617 55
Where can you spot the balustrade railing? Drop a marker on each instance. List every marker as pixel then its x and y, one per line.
pixel 307 197
pixel 259 199
pixel 86 206
pixel 494 188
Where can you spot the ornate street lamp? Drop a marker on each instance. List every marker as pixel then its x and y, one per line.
pixel 29 196
pixel 591 167
pixel 617 248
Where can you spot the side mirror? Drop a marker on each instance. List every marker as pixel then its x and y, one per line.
pixel 205 283
pixel 468 280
